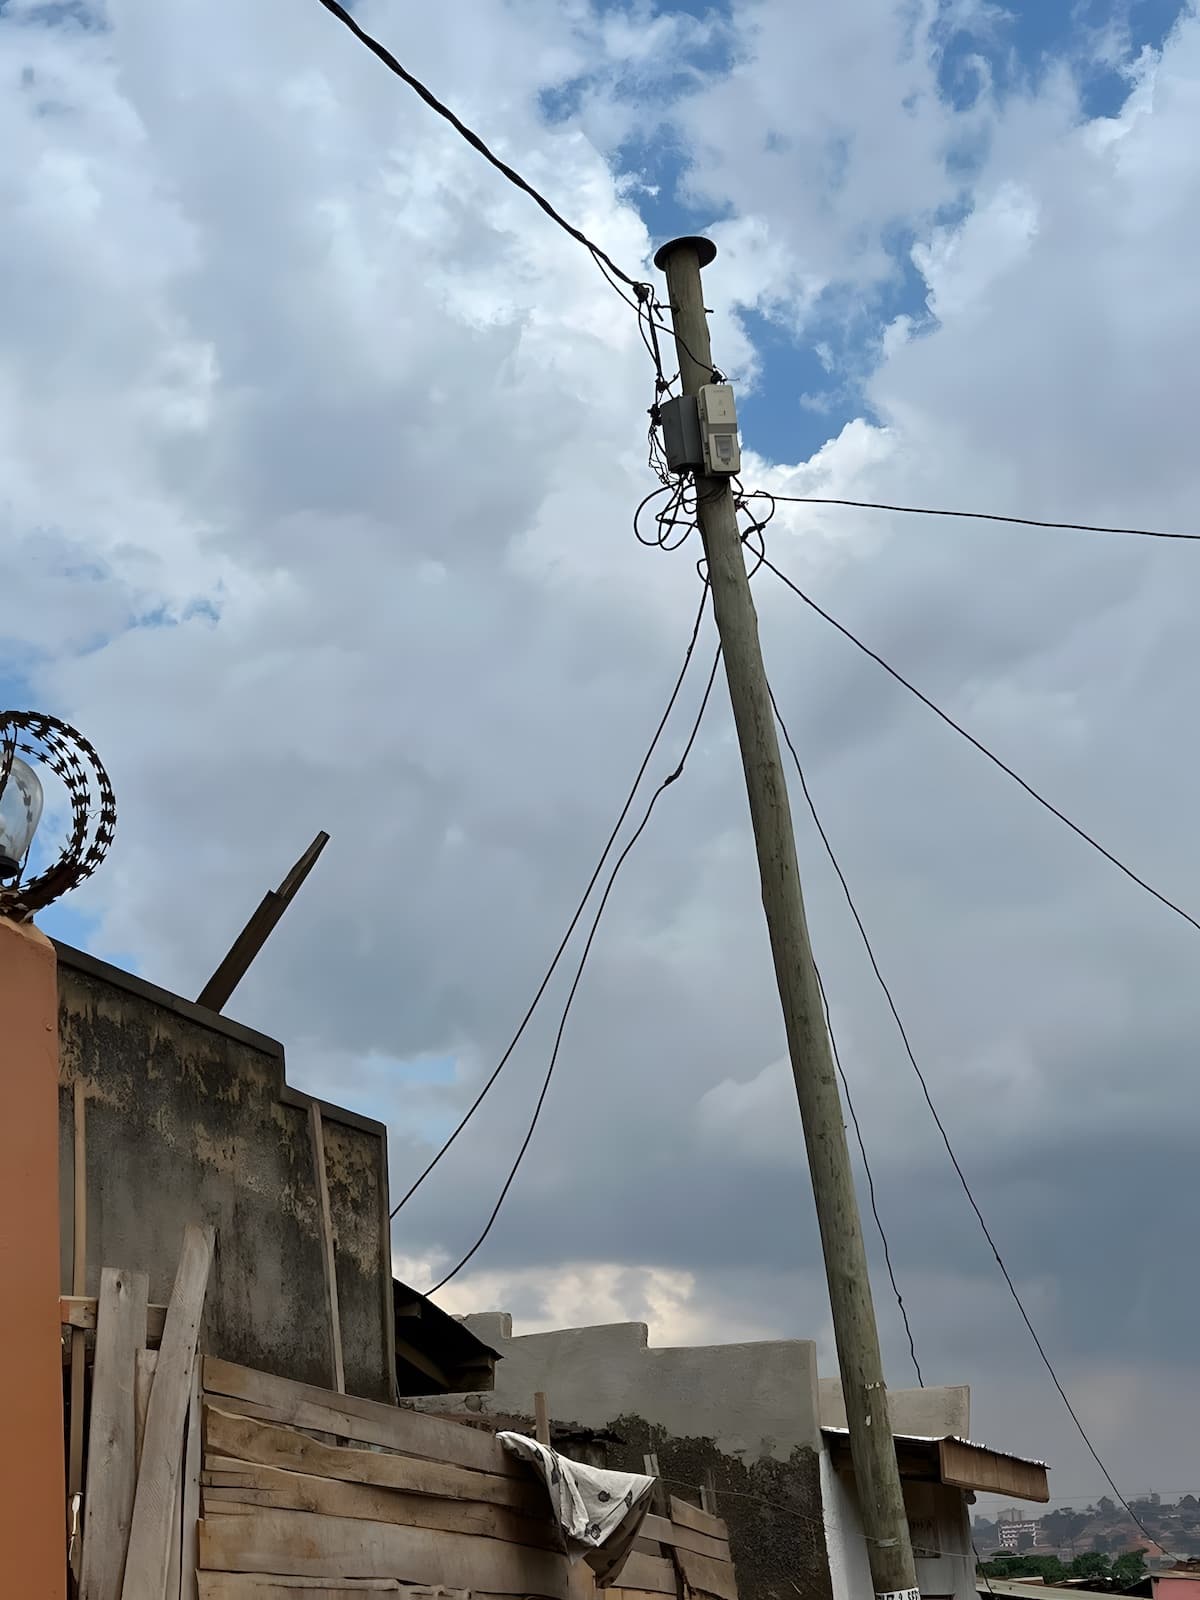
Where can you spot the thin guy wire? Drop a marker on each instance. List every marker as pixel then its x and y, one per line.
pixel 983 749
pixel 941 1128
pixel 975 516
pixel 525 1020
pixel 541 1100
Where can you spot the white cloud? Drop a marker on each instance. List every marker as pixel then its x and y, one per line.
pixel 274 341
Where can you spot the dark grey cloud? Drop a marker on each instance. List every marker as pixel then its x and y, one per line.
pixel 334 410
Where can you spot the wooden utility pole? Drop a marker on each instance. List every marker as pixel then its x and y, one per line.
pixel 874 1453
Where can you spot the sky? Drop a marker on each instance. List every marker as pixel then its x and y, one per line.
pixel 319 447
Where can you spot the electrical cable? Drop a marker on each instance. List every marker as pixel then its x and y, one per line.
pixel 975 516
pixel 945 716
pixel 645 301
pixel 473 139
pixel 541 1099
pixel 862 1150
pixel 541 989
pixel 941 1127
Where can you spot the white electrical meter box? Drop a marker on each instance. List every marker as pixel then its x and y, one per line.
pixel 718 430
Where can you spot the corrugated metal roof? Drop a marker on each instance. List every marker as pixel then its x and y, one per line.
pixel 954 1438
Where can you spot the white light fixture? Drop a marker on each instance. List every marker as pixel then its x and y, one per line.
pixel 20 813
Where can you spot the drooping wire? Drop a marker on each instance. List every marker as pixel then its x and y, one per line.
pixel 862 1149
pixel 940 1125
pixel 591 884
pixel 974 516
pixel 996 761
pixel 541 1099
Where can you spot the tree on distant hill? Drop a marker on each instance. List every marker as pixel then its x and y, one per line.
pixel 1129 1568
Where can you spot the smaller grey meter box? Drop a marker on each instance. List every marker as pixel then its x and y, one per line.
pixel 718 430
pixel 681 434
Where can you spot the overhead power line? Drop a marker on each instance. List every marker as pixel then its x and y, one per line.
pixel 644 300
pixel 858 1134
pixel 975 516
pixel 473 139
pixel 996 761
pixel 541 1099
pixel 591 884
pixel 941 1128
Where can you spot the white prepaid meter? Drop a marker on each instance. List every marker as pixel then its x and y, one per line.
pixel 718 430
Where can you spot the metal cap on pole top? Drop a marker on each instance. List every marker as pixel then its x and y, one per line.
pixel 706 250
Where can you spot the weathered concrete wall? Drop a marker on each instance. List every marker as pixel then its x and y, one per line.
pixel 927 1413
pixel 752 1400
pixel 744 1413
pixel 189 1118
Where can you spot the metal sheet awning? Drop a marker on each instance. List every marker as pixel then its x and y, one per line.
pixel 960 1463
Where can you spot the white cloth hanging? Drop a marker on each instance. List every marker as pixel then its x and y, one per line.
pixel 597 1510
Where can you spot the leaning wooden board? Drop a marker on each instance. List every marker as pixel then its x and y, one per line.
pixel 706 1576
pixel 338 1547
pixel 368 1421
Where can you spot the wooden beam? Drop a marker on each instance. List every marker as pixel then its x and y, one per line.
pixel 78 1312
pixel 430 1369
pixel 688 1516
pixel 78 1353
pixel 244 1440
pixel 282 1490
pixel 328 1255
pixel 112 1465
pixel 368 1421
pixel 683 1538
pixel 310 1546
pixel 541 1424
pixel 971 1466
pixel 193 1460
pixel 155 1505
pixel 217 991
pixel 704 1574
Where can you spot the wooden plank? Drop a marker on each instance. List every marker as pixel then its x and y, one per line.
pixel 331 1497
pixel 258 1586
pixel 78 1286
pixel 541 1413
pixel 335 1547
pixel 972 1466
pixel 143 1382
pixel 429 1369
pixel 706 1575
pixel 193 1456
pixel 273 1414
pixel 689 1516
pixel 78 1311
pixel 646 1572
pixel 266 1586
pixel 111 1439
pixel 245 1439
pixel 683 1538
pixel 158 1483
pixel 328 1255
pixel 346 1416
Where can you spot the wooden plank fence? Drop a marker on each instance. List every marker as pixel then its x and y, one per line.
pixel 210 1481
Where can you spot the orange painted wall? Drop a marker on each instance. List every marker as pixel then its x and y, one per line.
pixel 32 1471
